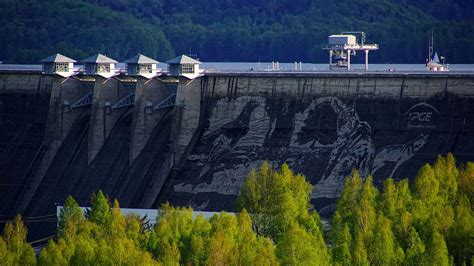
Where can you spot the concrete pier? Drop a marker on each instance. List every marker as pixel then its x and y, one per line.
pixel 104 116
pixel 149 92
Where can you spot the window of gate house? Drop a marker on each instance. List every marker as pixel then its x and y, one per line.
pixel 186 68
pixel 103 68
pixel 145 68
pixel 62 67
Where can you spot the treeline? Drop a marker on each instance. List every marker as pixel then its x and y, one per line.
pixel 32 30
pixel 444 9
pixel 232 30
pixel 428 222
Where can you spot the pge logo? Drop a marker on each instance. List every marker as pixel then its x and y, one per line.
pixel 422 116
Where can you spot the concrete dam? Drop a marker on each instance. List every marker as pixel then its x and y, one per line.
pixel 191 142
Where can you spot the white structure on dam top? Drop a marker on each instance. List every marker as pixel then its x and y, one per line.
pixel 142 66
pixel 100 65
pixel 58 64
pixel 342 46
pixel 184 66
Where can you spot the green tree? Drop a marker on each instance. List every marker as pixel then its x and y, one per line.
pixel 437 252
pixel 466 182
pixel 415 249
pixel 300 247
pixel 279 206
pixel 384 249
pixel 177 238
pixel 460 239
pixel 100 212
pixel 359 251
pixel 13 248
pixel 447 173
pixel 342 247
pixel 104 237
pixel 70 217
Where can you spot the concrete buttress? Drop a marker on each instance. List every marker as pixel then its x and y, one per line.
pixel 64 92
pixel 107 92
pixel 149 92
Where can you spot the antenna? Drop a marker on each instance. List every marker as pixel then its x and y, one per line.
pixel 431 43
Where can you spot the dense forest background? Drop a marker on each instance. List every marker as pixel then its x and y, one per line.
pixel 232 30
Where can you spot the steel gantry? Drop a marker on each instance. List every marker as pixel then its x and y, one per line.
pixel 167 102
pixel 83 101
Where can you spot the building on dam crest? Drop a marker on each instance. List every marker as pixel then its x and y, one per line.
pixel 184 66
pixel 58 64
pixel 100 65
pixel 142 66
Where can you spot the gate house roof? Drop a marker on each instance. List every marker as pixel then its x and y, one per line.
pixel 58 58
pixel 183 59
pixel 99 58
pixel 140 59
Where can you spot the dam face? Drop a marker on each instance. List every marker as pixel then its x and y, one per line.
pixel 74 136
pixel 322 126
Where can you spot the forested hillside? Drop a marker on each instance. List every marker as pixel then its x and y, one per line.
pixel 232 30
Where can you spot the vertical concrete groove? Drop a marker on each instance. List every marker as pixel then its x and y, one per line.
pixel 354 103
pixel 236 86
pixel 298 87
pixel 62 122
pixel 248 85
pixel 4 83
pixel 304 87
pixel 38 88
pixel 214 80
pixel 229 79
pixel 400 102
pixel 453 109
pixel 104 123
pixel 118 91
pixel 372 107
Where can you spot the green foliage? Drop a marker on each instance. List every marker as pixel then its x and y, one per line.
pixel 232 30
pixel 13 247
pixel 32 30
pixel 103 237
pixel 226 239
pixel 279 206
pixel 430 223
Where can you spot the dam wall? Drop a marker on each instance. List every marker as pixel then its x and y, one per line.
pixel 191 142
pixel 60 118
pixel 24 104
pixel 323 126
pixel 74 136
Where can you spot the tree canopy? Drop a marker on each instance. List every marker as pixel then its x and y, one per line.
pixel 279 206
pixel 429 221
pixel 417 225
pixel 232 30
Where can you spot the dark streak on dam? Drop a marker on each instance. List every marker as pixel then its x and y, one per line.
pixel 197 152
